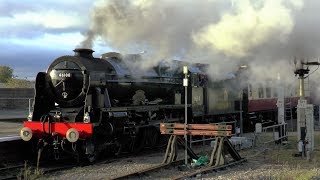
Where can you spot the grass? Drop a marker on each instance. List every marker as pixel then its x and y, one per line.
pixel 282 164
pixel 283 154
pixel 29 173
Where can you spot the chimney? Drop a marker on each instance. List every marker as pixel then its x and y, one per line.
pixel 82 52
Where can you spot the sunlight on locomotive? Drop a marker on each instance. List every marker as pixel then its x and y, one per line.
pixel 52 73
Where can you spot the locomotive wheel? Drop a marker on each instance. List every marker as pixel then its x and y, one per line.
pixel 90 152
pixel 92 157
pixel 152 136
pixel 139 141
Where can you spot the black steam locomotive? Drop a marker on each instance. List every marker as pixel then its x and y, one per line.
pixel 88 105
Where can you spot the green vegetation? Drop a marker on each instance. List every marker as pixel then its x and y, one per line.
pixel 284 154
pixel 281 162
pixel 27 173
pixel 18 83
pixel 6 77
pixel 6 74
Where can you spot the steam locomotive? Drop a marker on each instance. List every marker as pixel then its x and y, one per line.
pixel 85 105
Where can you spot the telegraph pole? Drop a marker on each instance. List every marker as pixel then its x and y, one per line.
pixel 280 104
pixel 185 84
pixel 242 67
pixel 301 117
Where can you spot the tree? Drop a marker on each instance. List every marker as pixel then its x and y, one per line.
pixel 6 73
pixel 18 83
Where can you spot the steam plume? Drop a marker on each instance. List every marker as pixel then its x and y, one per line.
pixel 249 25
pixel 218 32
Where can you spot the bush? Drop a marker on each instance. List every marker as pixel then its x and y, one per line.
pixel 18 83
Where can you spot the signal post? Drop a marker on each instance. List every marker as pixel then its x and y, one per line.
pixel 305 119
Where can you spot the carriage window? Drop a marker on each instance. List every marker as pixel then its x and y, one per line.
pixel 260 92
pixel 275 93
pixel 250 90
pixel 268 92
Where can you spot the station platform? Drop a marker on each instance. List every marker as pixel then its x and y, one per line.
pixel 9 138
pixel 10 129
pixel 7 114
pixel 11 121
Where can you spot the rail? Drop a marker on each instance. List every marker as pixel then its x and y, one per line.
pixel 218 155
pixel 278 132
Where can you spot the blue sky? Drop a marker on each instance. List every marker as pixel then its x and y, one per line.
pixel 33 33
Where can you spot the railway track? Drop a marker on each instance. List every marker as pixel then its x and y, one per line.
pixel 186 174
pixel 12 163
pixel 12 150
pixel 10 172
pixel 25 171
pixel 20 170
pixel 208 169
pixel 46 167
pixel 140 174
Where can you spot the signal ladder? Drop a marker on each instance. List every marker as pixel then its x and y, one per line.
pixel 288 113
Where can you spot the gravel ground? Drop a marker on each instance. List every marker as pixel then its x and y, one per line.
pixel 272 162
pixel 110 170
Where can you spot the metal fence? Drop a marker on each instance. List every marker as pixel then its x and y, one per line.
pixel 276 132
pixel 16 103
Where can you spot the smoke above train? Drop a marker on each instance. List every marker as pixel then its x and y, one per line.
pixel 221 33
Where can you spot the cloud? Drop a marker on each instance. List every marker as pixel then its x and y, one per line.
pixel 11 7
pixel 49 41
pixel 29 56
pixel 51 19
pixel 26 60
pixel 34 33
pixel 33 18
pixel 266 34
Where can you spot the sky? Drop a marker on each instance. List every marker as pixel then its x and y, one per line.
pixel 268 34
pixel 33 33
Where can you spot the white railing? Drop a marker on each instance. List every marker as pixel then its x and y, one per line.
pixel 279 132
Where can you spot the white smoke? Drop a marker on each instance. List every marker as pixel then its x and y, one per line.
pixel 221 33
pixel 247 26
